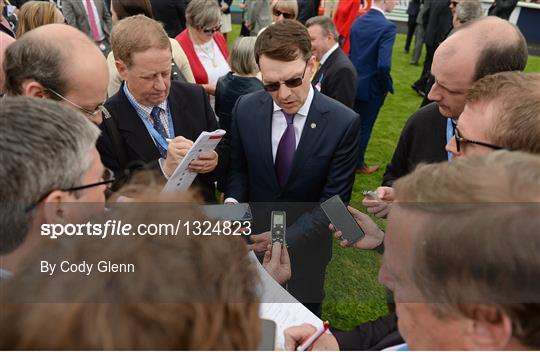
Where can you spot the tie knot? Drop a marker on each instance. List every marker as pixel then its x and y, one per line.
pixel 155 111
pixel 288 117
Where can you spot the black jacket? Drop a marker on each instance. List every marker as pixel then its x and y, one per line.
pixel 337 78
pixel 422 140
pixel 172 13
pixel 191 113
pixel 502 8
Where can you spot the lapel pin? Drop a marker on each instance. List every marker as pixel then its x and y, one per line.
pixel 313 125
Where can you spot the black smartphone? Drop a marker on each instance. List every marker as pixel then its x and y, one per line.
pixel 342 220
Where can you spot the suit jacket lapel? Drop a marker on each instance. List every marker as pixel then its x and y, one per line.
pixel 135 132
pixel 265 137
pixel 314 126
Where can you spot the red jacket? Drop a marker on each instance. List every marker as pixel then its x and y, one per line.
pixel 196 66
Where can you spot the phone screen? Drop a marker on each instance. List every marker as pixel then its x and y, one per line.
pixel 342 220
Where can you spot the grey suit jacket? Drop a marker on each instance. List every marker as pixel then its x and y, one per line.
pixel 75 14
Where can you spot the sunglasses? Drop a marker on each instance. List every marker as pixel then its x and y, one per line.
pixel 212 30
pixel 277 13
pixel 460 140
pixel 290 83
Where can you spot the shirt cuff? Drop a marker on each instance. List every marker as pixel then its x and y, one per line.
pixel 160 162
pixel 230 200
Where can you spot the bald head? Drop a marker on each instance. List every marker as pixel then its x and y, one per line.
pixel 59 58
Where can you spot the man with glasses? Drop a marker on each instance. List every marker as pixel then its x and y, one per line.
pixel 479 48
pixel 51 173
pixel 58 62
pixel 502 111
pixel 291 143
pixel 156 120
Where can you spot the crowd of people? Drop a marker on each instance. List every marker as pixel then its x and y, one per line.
pixel 103 101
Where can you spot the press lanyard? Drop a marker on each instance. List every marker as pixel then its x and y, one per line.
pixel 158 138
pixel 449 134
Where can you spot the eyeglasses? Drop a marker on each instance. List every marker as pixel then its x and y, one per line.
pixel 106 179
pixel 460 139
pixel 291 83
pixel 96 111
pixel 212 30
pixel 277 13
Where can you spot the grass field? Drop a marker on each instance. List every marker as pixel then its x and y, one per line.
pixel 353 294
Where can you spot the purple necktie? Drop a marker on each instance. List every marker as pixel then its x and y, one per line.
pixel 285 151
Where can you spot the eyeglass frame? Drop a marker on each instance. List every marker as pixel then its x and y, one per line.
pixel 99 109
pixel 211 30
pixel 110 180
pixel 286 15
pixel 460 139
pixel 286 82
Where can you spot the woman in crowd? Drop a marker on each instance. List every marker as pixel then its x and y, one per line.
pixel 283 9
pixel 34 14
pixel 124 8
pixel 181 292
pixel 257 15
pixel 204 45
pixel 241 80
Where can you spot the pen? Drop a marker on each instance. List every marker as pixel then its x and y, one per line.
pixel 313 338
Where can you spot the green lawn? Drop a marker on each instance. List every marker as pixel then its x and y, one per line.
pixel 353 293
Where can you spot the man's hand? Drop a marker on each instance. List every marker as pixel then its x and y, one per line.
pixel 296 335
pixel 176 151
pixel 277 262
pixel 206 162
pixel 260 242
pixel 373 234
pixel 380 208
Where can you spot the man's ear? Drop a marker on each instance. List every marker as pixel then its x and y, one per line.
pixel 488 330
pixel 122 69
pixel 34 89
pixel 55 209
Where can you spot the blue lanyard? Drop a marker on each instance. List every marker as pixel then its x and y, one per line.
pixel 158 138
pixel 449 134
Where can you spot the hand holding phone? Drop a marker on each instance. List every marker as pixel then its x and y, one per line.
pixel 342 220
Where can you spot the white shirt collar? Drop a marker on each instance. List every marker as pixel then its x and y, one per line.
pixel 304 109
pixel 378 9
pixel 328 53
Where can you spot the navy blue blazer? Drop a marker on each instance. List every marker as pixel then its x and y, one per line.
pixel 323 166
pixel 372 39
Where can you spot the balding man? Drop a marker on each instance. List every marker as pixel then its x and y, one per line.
pixel 479 48
pixel 58 62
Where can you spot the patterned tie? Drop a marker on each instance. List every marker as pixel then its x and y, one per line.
pixel 285 151
pixel 92 20
pixel 158 125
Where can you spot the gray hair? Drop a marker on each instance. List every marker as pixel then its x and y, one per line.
pixel 327 26
pixel 468 10
pixel 45 146
pixel 202 13
pixel 32 58
pixel 242 56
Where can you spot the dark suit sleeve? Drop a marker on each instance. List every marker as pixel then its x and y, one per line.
pixel 398 167
pixel 237 180
pixel 371 335
pixel 339 180
pixel 384 62
pixel 343 83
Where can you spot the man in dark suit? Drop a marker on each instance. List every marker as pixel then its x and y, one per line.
pixel 412 11
pixel 502 8
pixel 91 17
pixel 291 144
pixel 172 13
pixel 155 121
pixel 372 40
pixel 336 76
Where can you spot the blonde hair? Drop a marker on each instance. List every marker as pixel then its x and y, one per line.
pixel 136 34
pixel 187 292
pixel 289 6
pixel 516 104
pixel 34 14
pixel 202 13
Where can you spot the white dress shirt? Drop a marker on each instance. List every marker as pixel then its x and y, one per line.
pixel 328 53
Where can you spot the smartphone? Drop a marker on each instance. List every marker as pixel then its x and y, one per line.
pixel 342 220
pixel 278 226
pixel 268 336
pixel 372 195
